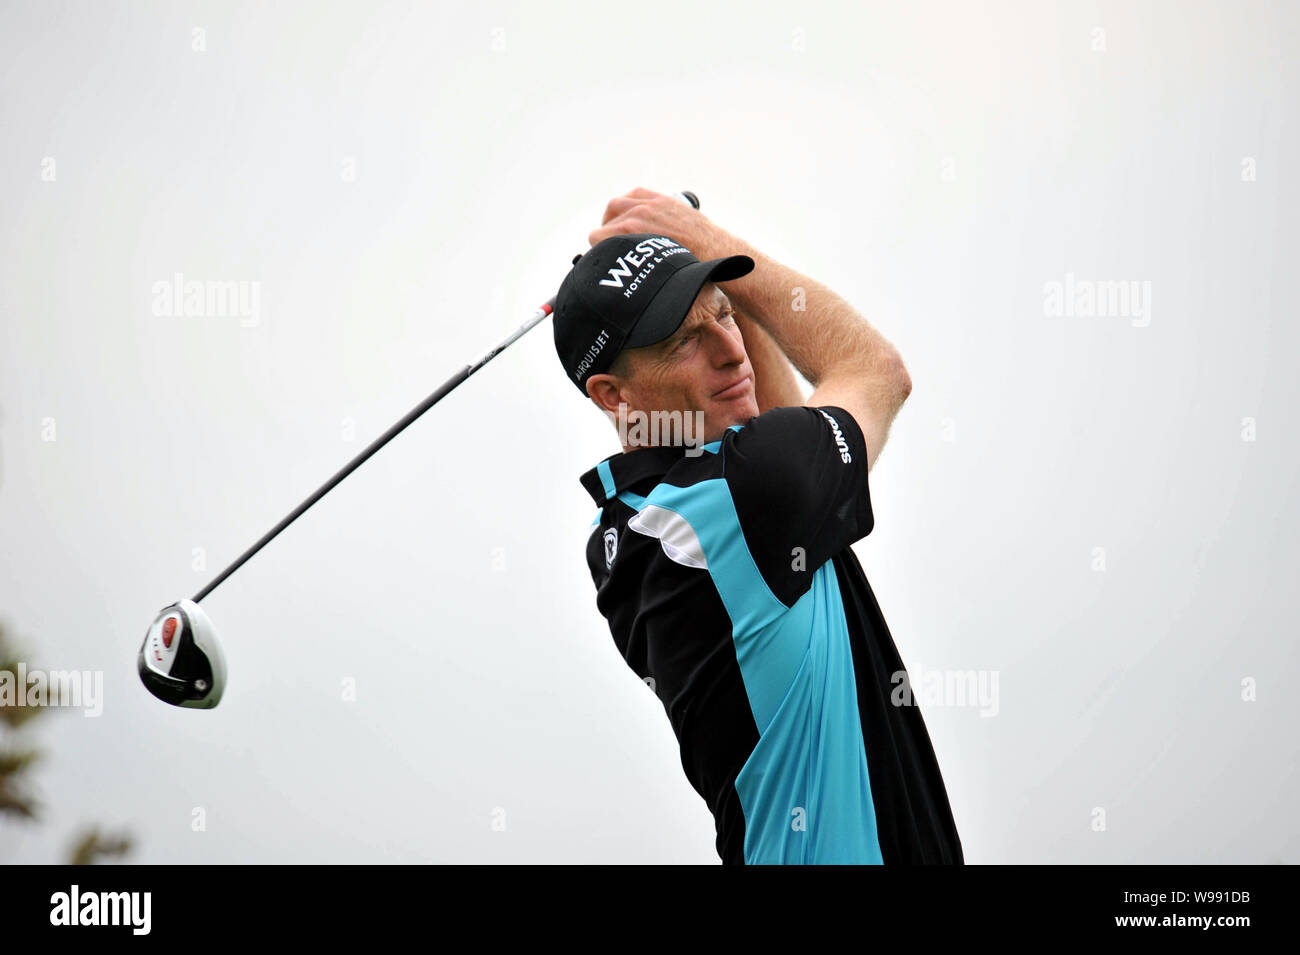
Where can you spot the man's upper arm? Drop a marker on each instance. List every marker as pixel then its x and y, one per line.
pixel 798 478
pixel 873 408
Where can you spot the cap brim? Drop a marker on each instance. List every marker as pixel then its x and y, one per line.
pixel 671 303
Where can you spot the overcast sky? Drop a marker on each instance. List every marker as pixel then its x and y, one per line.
pixel 1096 510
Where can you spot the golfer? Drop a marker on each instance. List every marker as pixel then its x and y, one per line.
pixel 721 551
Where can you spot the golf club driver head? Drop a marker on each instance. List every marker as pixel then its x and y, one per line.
pixel 180 660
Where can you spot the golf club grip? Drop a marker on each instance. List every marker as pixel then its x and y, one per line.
pixel 686 196
pixel 445 389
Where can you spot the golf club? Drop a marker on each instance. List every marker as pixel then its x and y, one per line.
pixel 181 661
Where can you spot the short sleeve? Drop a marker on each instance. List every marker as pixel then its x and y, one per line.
pixel 798 478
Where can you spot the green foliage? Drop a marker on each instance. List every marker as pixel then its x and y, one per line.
pixel 16 800
pixel 91 845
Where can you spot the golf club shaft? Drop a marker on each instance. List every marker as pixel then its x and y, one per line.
pixel 355 463
pixel 447 387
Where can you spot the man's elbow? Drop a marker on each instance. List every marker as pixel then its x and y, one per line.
pixel 900 382
pixel 886 385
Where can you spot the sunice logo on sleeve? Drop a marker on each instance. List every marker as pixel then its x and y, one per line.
pixel 843 445
pixel 102 908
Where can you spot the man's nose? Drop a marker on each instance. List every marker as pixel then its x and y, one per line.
pixel 726 348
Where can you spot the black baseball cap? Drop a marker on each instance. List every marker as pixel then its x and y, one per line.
pixel 626 292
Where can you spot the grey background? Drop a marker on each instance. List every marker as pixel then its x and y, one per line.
pixel 934 163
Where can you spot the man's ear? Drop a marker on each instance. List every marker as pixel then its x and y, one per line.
pixel 607 392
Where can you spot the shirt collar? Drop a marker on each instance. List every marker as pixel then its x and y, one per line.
pixel 621 471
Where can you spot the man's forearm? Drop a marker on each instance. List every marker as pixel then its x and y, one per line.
pixel 775 385
pixel 819 332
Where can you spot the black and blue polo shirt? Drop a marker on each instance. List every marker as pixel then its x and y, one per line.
pixel 729 585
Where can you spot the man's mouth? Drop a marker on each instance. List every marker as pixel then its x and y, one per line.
pixel 735 390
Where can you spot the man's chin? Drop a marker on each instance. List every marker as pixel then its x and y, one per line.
pixel 739 413
pixel 744 409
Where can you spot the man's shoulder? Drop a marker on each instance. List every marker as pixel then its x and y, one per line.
pixel 776 429
pixel 785 448
pixel 796 424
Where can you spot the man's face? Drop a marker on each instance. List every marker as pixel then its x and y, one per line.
pixel 700 367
